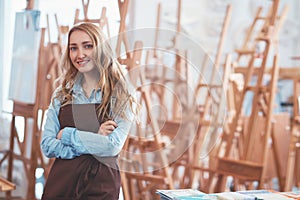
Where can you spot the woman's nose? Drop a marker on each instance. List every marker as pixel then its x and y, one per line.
pixel 81 53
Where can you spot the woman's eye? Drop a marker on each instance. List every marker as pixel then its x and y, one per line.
pixel 88 46
pixel 72 48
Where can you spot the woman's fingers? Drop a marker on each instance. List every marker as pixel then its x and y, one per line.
pixel 59 135
pixel 107 127
pixel 111 123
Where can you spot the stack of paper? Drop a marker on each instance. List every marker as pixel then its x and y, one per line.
pixel 233 196
pixel 190 194
pixel 182 194
pixel 251 195
pixel 265 194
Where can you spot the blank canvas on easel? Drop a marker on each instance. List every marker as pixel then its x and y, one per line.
pixel 24 67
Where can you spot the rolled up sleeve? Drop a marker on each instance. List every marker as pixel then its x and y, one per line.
pixel 50 145
pixel 93 143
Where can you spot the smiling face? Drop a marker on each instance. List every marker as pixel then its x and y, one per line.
pixel 81 50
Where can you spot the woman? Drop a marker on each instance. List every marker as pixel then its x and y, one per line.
pixel 87 121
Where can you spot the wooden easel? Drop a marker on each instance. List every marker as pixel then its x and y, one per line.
pixel 190 161
pixel 249 166
pixel 47 73
pixel 27 111
pixel 122 36
pixel 252 166
pixel 50 58
pixel 55 50
pixel 158 76
pixel 171 125
pixel 156 73
pixel 292 176
pixel 159 73
pixel 102 21
pixel 250 44
pixel 210 84
pixel 28 148
pixel 208 133
pixel 139 175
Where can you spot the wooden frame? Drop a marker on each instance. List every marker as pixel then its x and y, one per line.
pixel 292 177
pixel 135 179
pixel 47 72
pixel 102 21
pixel 263 100
pixel 6 185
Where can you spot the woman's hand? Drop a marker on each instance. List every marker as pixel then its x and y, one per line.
pixel 107 127
pixel 59 135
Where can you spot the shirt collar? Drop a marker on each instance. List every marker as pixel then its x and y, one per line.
pixel 77 88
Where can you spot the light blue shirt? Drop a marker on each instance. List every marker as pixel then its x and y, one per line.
pixel 76 142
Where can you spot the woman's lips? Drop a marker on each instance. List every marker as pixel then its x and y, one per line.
pixel 83 62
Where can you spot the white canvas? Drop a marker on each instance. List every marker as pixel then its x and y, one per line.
pixel 23 81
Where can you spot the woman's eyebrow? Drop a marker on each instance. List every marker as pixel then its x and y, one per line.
pixel 84 42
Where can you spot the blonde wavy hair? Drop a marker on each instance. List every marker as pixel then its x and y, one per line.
pixel 112 82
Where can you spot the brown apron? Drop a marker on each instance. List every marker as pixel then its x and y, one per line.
pixel 84 177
